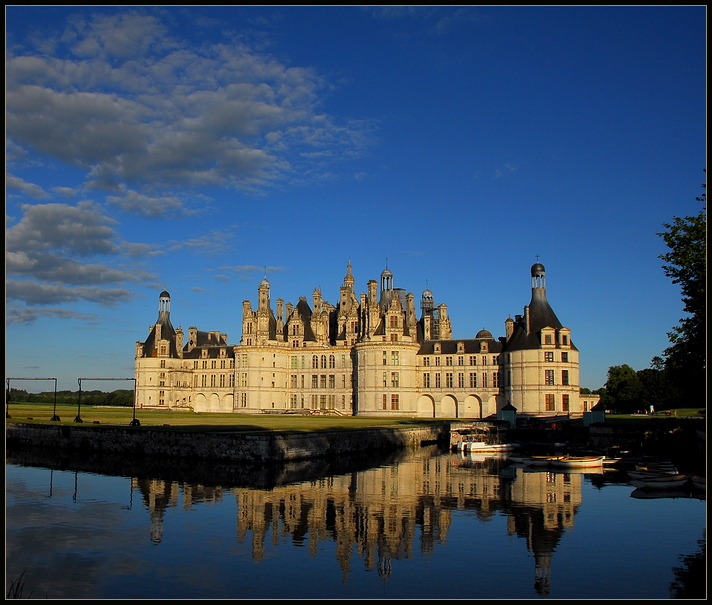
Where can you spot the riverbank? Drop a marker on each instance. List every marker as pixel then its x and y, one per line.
pixel 221 445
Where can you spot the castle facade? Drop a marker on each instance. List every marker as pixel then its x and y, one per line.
pixel 367 355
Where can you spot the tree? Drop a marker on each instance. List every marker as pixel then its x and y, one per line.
pixel 686 265
pixel 623 390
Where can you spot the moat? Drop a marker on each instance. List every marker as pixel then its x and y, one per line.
pixel 412 524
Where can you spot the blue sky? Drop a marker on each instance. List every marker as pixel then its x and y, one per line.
pixel 195 149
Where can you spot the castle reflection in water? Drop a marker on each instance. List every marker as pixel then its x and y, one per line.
pixel 387 512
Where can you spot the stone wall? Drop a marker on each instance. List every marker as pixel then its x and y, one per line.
pixel 144 441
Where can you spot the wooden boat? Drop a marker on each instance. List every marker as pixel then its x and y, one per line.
pixel 661 481
pixel 578 461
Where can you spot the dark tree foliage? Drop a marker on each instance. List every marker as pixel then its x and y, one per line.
pixel 120 397
pixel 623 390
pixel 686 265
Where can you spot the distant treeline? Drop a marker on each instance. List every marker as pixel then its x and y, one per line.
pixel 120 397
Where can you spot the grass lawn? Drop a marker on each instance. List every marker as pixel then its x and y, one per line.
pixel 40 413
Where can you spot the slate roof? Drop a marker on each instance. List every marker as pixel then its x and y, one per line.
pixel 541 315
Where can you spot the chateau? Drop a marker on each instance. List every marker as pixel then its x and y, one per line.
pixel 368 355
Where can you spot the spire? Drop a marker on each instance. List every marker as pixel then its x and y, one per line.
pixel 349 279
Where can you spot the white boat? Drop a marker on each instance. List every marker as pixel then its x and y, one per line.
pixel 661 481
pixel 578 461
pixel 481 446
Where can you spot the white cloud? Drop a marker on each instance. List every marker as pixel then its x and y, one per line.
pixel 18 184
pixel 150 206
pixel 50 257
pixel 135 107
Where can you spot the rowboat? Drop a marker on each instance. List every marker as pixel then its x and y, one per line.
pixel 578 461
pixel 662 467
pixel 535 461
pixel 661 481
pixel 698 482
pixel 643 474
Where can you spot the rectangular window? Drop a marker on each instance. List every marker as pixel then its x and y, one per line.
pixel 473 360
pixel 323 381
pixel 437 380
pixel 484 380
pixel 203 381
pixel 394 402
pixel 394 380
pixel 547 339
pixel 385 401
pixel 437 361
pixel 565 402
pixel 426 362
pixel 565 377
pixel 548 377
pixel 426 381
pixel 461 380
pixel 448 380
pixel 395 358
pixel 315 381
pixel 461 361
pixel 294 362
pixel 550 405
pixel 222 380
pixel 564 357
pixel 385 358
pixel 448 361
pixel 564 340
pixel 495 380
pixel 332 381
pixel 232 380
pixel 294 381
pixel 385 379
pixel 549 356
pixel 484 360
pixel 212 380
pixel 473 380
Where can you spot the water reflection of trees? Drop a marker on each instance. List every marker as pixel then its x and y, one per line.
pixel 691 577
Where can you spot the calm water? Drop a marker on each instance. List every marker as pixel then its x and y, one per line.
pixel 423 525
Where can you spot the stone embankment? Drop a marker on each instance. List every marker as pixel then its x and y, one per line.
pixel 221 445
